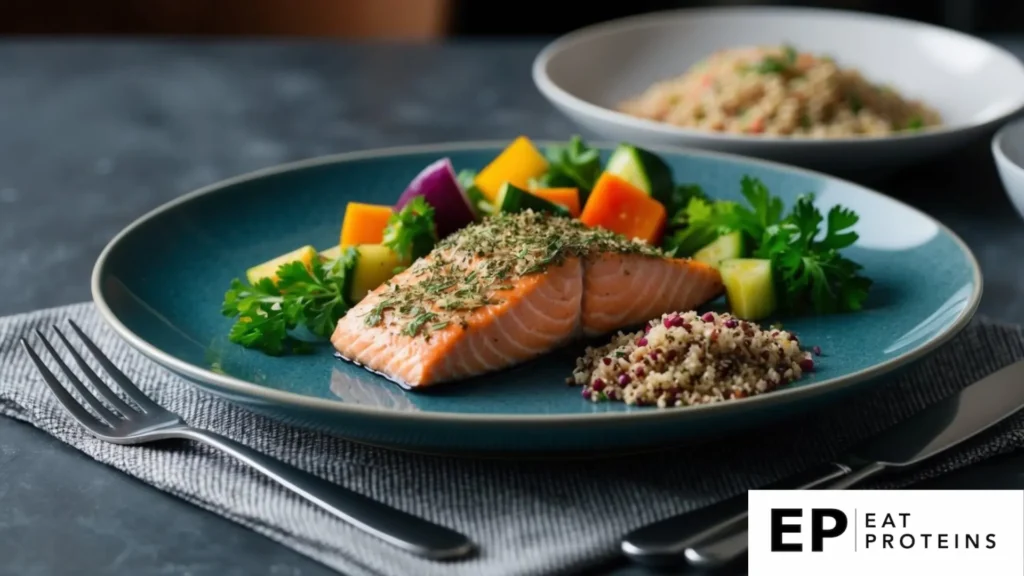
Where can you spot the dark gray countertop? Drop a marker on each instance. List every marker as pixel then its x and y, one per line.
pixel 93 134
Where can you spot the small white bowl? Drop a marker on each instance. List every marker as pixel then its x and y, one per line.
pixel 974 84
pixel 1008 150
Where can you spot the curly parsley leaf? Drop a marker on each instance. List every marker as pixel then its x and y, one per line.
pixel 411 232
pixel 314 297
pixel 839 220
pixel 574 165
pixel 701 221
pixel 698 225
pixel 765 210
pixel 681 196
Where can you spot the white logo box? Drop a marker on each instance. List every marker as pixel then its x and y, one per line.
pixel 904 532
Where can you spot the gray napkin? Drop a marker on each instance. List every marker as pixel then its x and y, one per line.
pixel 538 517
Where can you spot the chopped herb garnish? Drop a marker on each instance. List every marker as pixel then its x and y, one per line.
pixel 790 54
pixel 915 123
pixel 771 65
pixel 467 269
pixel 784 63
pixel 855 103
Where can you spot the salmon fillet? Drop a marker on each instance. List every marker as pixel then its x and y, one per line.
pixel 621 290
pixel 509 290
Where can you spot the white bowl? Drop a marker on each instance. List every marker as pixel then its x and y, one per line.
pixel 974 84
pixel 1008 149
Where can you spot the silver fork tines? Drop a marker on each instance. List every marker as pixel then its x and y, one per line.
pixel 115 420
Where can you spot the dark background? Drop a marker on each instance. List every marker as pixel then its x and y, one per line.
pixel 426 19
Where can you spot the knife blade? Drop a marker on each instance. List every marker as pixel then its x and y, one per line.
pixel 718 535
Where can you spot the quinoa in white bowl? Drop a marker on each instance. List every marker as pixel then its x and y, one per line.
pixel 684 359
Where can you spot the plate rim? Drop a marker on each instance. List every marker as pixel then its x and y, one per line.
pixel 559 96
pixel 226 384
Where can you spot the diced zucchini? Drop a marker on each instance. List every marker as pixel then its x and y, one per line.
pixel 725 247
pixel 513 199
pixel 269 269
pixel 375 265
pixel 642 169
pixel 749 287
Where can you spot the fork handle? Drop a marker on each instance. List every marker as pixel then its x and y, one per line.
pixel 401 529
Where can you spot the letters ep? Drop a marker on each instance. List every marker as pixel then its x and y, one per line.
pixel 819 533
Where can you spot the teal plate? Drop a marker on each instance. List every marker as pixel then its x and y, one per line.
pixel 160 283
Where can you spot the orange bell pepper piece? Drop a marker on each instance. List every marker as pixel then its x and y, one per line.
pixel 516 164
pixel 364 224
pixel 617 205
pixel 568 197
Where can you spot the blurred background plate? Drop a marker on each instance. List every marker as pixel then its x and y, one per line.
pixel 975 85
pixel 161 281
pixel 1008 151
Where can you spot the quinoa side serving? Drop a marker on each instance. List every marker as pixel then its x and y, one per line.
pixel 777 90
pixel 689 358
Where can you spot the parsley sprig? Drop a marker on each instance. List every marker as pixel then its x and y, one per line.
pixel 703 220
pixel 574 165
pixel 812 275
pixel 313 297
pixel 411 232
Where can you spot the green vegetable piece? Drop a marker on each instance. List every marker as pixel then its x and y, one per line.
pixel 574 165
pixel 411 233
pixel 644 170
pixel 915 123
pixel 725 247
pixel 749 288
pixel 477 201
pixel 513 199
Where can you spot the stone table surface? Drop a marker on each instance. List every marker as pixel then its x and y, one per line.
pixel 95 133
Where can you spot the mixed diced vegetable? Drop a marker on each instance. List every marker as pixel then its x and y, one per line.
pixel 771 262
pixel 621 207
pixel 439 187
pixel 364 224
pixel 516 165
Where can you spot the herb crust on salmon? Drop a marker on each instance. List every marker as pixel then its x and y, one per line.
pixel 470 269
pixel 509 289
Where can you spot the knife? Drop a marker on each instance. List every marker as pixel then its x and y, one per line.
pixel 716 535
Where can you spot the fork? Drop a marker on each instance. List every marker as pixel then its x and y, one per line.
pixel 119 422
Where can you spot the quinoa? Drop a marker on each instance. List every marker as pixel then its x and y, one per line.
pixel 780 91
pixel 684 359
